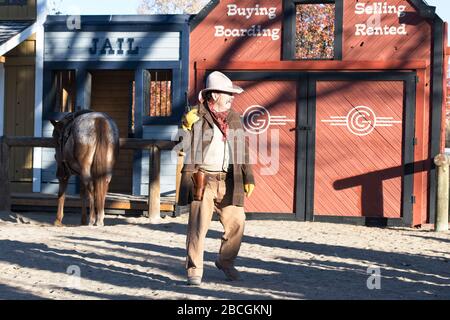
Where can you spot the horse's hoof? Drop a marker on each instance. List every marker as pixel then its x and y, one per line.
pixel 58 223
pixel 100 224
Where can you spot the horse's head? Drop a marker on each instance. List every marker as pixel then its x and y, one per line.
pixel 58 131
pixel 58 127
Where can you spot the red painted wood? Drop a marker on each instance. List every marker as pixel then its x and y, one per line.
pixel 274 191
pixel 349 168
pixel 362 53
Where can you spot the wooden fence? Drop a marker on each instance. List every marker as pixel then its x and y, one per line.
pixel 155 147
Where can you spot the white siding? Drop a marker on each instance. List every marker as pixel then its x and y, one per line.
pixel 75 46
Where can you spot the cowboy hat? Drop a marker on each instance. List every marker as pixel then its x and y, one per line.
pixel 217 81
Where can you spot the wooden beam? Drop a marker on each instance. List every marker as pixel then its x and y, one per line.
pixel 313 65
pixel 125 143
pixel 447 51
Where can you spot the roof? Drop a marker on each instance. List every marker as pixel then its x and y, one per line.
pixel 119 19
pixel 9 29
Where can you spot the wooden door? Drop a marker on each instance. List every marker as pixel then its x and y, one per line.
pixel 111 93
pixel 359 148
pixel 269 113
pixel 19 116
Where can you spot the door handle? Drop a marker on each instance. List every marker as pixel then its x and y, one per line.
pixel 301 128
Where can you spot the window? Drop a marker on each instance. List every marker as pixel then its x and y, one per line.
pixel 312 29
pixel 13 2
pixel 158 93
pixel 64 84
pixel 315 31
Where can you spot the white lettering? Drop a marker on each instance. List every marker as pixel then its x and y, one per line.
pixel 254 31
pixel 360 29
pixel 233 10
pixel 364 30
pixel 219 31
pixel 359 8
pixel 379 8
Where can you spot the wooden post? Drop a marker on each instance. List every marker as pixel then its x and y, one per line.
pixel 442 161
pixel 180 163
pixel 5 188
pixel 154 186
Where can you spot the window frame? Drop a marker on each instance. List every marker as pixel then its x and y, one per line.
pixel 54 90
pixel 289 27
pixel 148 95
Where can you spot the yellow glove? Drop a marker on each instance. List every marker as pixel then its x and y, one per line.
pixel 189 119
pixel 249 189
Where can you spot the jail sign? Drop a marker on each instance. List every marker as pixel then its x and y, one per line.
pixel 105 46
pixel 112 46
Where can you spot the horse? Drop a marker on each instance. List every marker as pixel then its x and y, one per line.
pixel 87 145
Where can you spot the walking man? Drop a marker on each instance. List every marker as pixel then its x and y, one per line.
pixel 216 176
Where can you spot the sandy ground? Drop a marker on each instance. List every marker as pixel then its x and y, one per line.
pixel 131 259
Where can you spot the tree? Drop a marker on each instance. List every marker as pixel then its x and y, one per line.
pixel 315 31
pixel 171 6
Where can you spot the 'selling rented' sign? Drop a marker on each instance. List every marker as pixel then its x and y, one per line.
pixel 373 12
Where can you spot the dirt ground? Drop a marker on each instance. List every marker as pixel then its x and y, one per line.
pixel 132 259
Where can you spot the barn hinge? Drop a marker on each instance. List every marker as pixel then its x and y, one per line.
pixel 415 141
pixel 413 199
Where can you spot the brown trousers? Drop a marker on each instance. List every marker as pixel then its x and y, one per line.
pixel 231 217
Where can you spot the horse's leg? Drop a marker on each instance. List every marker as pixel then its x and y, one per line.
pixel 83 204
pixel 100 190
pixel 90 192
pixel 61 197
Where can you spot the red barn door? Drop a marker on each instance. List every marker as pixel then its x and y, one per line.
pixel 359 148
pixel 269 112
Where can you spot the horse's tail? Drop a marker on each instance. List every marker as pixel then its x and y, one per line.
pixel 104 157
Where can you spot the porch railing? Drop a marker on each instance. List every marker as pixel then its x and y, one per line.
pixel 154 146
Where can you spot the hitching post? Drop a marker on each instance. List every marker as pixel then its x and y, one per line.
pixel 442 162
pixel 154 186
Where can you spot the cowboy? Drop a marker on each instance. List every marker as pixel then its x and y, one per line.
pixel 214 179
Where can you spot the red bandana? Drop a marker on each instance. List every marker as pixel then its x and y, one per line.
pixel 220 119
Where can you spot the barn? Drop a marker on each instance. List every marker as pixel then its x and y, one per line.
pixel 344 98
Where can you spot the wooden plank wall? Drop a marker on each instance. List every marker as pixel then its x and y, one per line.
pixel 275 168
pixel 358 175
pixel 27 12
pixel 19 110
pixel 111 93
pixel 153 46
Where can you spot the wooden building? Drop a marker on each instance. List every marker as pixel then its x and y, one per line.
pixel 131 67
pixel 20 34
pixel 348 93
